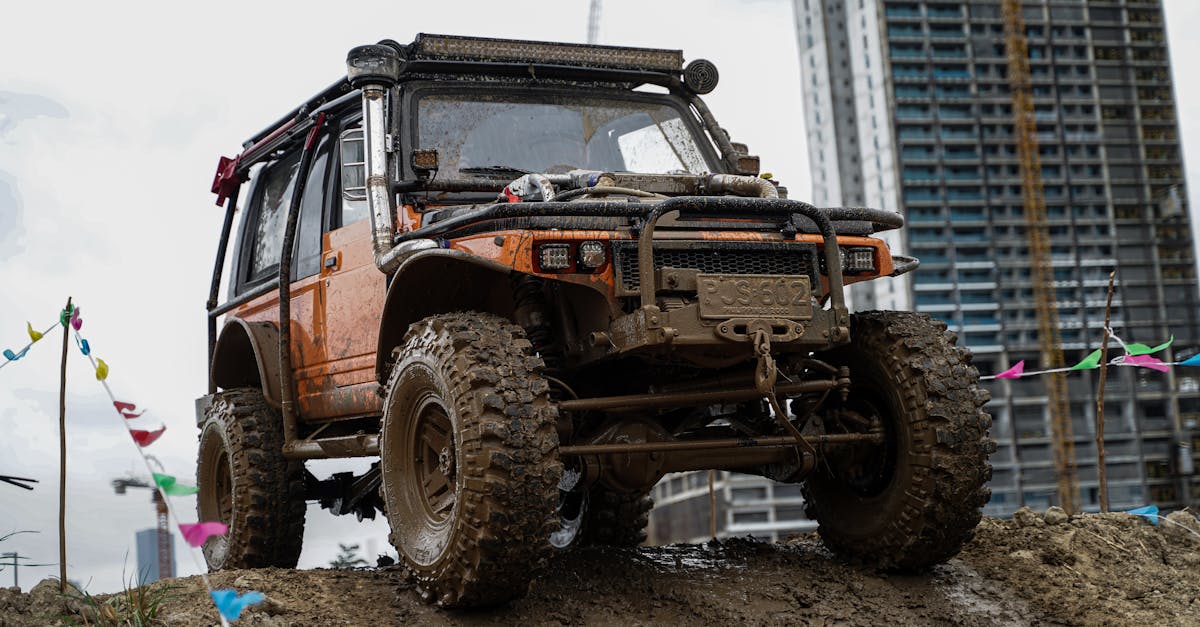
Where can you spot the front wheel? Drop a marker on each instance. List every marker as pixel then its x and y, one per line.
pixel 469 459
pixel 915 499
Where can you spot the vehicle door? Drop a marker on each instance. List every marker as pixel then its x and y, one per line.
pixel 257 262
pixel 353 289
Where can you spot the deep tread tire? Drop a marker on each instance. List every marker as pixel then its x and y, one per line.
pixel 930 504
pixel 485 379
pixel 615 519
pixel 246 483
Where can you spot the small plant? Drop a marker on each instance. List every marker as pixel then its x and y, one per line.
pixel 347 557
pixel 136 605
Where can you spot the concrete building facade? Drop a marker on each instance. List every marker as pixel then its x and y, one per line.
pixel 147 557
pixel 908 108
pixel 744 505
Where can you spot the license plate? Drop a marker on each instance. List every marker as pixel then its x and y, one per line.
pixel 754 295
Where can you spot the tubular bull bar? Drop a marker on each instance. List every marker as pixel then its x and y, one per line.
pixel 648 325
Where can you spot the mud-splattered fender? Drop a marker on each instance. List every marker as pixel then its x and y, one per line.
pixel 440 281
pixel 247 355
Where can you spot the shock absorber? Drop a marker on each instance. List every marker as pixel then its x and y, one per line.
pixel 532 313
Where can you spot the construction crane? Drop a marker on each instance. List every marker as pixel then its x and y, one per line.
pixel 593 33
pixel 163 523
pixel 1041 271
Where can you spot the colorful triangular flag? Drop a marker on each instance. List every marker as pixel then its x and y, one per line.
pixel 1089 362
pixel 230 604
pixel 1142 349
pixel 1014 372
pixel 171 487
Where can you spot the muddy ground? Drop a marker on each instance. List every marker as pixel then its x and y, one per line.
pixel 1113 569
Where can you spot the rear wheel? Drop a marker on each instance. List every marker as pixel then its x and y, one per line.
pixel 469 459
pixel 914 500
pixel 246 483
pixel 615 518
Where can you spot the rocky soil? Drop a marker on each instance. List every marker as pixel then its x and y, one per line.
pixel 1112 569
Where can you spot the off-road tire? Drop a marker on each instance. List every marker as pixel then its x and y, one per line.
pixel 615 519
pixel 477 376
pixel 927 506
pixel 246 483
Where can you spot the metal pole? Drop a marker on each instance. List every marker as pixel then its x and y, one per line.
pixel 62 457
pixel 712 506
pixel 1101 470
pixel 13 555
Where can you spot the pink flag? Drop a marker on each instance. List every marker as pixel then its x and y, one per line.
pixel 127 409
pixel 1013 373
pixel 146 438
pixel 196 533
pixel 1147 361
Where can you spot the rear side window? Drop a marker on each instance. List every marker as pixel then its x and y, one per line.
pixel 275 195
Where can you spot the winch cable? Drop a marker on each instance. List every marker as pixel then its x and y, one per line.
pixel 765 376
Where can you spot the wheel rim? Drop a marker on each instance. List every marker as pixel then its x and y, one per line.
pixel 215 502
pixel 867 469
pixel 435 463
pixel 420 467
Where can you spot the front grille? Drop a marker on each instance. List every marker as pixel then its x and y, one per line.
pixel 715 257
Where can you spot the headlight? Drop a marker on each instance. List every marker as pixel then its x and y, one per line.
pixel 591 255
pixel 554 257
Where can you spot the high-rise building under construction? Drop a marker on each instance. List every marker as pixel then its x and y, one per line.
pixel 908 107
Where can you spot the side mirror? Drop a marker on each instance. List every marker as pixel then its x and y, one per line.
pixel 354 165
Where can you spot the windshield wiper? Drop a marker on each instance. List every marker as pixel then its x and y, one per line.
pixel 494 169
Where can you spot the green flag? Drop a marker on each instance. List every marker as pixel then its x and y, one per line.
pixel 1089 362
pixel 168 485
pixel 1142 349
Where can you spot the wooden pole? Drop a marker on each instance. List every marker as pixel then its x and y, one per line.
pixel 62 457
pixel 712 506
pixel 1101 470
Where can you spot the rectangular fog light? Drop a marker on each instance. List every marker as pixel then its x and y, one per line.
pixel 858 260
pixel 554 257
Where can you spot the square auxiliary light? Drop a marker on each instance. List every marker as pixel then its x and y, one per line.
pixel 554 257
pixel 858 260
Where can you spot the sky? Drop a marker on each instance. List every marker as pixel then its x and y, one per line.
pixel 112 117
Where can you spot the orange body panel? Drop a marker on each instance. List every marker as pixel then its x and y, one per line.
pixel 336 313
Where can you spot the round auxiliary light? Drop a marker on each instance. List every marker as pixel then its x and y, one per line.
pixel 701 76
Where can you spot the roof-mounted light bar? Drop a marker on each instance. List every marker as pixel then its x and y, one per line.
pixel 449 47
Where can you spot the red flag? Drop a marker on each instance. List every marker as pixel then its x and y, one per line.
pixel 127 409
pixel 146 438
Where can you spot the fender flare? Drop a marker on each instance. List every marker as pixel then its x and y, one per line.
pixel 438 281
pixel 247 355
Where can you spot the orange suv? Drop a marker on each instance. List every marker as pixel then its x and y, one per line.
pixel 531 279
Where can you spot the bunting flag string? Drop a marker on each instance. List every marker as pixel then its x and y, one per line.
pixel 1136 355
pixel 34 335
pixel 229 603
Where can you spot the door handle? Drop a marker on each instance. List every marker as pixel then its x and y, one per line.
pixel 331 262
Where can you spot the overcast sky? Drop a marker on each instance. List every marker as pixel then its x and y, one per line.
pixel 112 116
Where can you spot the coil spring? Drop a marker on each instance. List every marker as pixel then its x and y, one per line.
pixel 529 297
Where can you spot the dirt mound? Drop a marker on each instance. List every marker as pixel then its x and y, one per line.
pixel 1112 569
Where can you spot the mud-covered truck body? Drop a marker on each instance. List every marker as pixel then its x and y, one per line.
pixel 532 278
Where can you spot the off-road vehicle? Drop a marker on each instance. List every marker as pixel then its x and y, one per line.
pixel 532 278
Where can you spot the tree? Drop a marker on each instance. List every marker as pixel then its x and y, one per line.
pixel 347 557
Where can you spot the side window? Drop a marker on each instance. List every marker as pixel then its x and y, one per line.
pixel 274 195
pixel 353 177
pixel 308 232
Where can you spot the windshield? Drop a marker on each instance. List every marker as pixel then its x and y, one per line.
pixel 488 134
